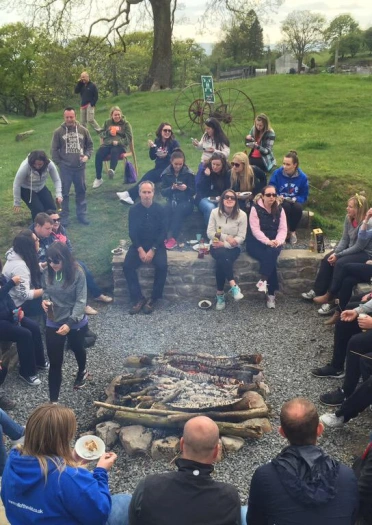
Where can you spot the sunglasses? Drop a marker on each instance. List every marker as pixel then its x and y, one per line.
pixel 54 261
pixel 270 195
pixel 235 164
pixel 229 198
pixel 56 220
pixel 167 130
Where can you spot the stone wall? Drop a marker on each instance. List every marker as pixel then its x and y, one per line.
pixel 189 276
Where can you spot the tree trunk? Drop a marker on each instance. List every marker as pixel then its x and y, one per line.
pixel 160 72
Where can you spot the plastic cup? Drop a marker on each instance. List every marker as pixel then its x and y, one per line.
pixel 198 237
pixel 362 316
pixel 113 130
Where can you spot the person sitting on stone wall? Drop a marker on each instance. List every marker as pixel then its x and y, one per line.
pixel 147 233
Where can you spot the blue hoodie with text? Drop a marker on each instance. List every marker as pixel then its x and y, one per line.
pixel 74 496
pixel 295 186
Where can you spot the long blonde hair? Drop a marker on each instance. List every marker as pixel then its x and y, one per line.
pixel 246 178
pixel 49 431
pixel 361 204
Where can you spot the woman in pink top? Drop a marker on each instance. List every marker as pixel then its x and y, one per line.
pixel 266 235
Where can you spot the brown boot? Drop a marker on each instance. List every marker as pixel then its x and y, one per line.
pixel 322 299
pixel 333 320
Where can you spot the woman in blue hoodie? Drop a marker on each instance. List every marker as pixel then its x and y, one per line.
pixel 44 482
pixel 291 183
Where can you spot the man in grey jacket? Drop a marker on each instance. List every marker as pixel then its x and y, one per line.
pixel 72 146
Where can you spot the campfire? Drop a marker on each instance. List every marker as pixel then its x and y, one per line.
pixel 164 391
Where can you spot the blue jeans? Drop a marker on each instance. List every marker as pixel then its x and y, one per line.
pixel 206 207
pixel 92 286
pixel 119 509
pixel 11 429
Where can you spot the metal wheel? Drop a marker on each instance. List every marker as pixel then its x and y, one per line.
pixel 190 111
pixel 236 112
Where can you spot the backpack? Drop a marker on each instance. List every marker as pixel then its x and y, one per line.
pixel 130 174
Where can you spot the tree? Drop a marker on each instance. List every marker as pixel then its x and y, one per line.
pixel 339 27
pixel 60 17
pixel 348 44
pixel 303 33
pixel 243 41
pixel 367 36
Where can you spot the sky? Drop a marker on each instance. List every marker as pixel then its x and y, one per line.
pixel 187 25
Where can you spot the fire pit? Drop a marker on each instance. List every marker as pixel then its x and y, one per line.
pixel 164 391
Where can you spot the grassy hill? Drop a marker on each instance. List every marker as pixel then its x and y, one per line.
pixel 325 118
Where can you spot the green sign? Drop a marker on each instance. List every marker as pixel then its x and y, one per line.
pixel 208 91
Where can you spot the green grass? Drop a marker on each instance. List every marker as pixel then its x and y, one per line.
pixel 325 118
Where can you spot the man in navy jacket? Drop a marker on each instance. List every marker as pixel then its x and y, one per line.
pixel 302 485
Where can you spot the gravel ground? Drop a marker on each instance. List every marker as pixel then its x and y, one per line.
pixel 291 338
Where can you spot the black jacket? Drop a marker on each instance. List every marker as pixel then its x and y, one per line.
pixel 169 147
pixel 88 93
pixel 185 176
pixel 6 302
pixel 147 226
pixel 189 496
pixel 363 470
pixel 303 486
pixel 212 185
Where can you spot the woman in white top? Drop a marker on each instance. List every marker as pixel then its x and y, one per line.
pixel 30 184
pixel 227 229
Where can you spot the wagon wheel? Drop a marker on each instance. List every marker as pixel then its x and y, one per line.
pixel 190 111
pixel 236 113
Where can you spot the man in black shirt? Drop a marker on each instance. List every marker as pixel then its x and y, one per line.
pixel 89 96
pixel 147 233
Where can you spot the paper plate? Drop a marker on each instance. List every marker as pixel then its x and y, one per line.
pixel 83 452
pixel 214 199
pixel 206 244
pixel 192 242
pixel 205 304
pixel 117 251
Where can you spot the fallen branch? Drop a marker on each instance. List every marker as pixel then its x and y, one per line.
pixel 24 135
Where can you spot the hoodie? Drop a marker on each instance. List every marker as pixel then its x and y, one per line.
pixel 303 485
pixel 71 143
pixel 15 265
pixel 296 186
pixel 123 134
pixel 31 179
pixel 6 302
pixel 74 496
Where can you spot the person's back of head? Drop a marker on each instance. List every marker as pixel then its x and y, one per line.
pixel 200 440
pixel 299 422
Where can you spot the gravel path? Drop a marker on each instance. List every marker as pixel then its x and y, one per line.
pixel 291 338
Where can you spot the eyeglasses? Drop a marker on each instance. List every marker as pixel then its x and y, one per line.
pixel 167 130
pixel 270 195
pixel 235 164
pixel 56 220
pixel 54 261
pixel 229 198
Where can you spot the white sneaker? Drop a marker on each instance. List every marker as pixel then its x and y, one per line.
pixel 270 303
pixel 326 309
pixel 90 311
pixel 111 173
pixel 309 296
pixel 262 286
pixel 333 421
pixel 97 183
pixel 220 302
pixel 125 197
pixel 293 238
pixel 236 293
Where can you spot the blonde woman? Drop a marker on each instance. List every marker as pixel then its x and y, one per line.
pixel 245 180
pixel 44 482
pixel 261 140
pixel 352 248
pixel 116 137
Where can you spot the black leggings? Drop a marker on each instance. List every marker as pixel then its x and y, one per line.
pixel 40 201
pixel 293 212
pixel 55 345
pixel 103 152
pixel 352 274
pixel 268 259
pixel 329 277
pixel 225 259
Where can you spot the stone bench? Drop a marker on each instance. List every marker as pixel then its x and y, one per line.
pixel 189 276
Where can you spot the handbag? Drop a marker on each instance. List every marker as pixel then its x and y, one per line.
pixel 130 174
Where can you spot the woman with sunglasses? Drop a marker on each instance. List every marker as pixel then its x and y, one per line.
pixel 214 180
pixel 30 184
pixel 59 233
pixel 227 229
pixel 266 236
pixel 22 260
pixel 213 139
pixel 261 140
pixel 160 150
pixel 64 300
pixel 245 180
pixel 15 327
